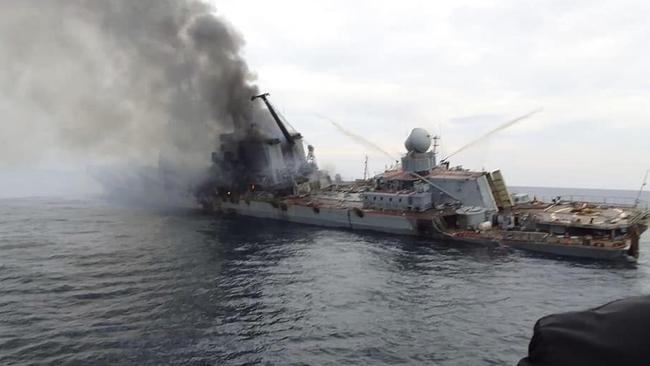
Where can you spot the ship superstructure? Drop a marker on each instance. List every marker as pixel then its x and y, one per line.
pixel 259 175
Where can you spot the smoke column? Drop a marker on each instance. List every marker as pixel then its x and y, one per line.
pixel 97 81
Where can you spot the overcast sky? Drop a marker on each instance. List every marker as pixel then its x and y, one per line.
pixel 459 69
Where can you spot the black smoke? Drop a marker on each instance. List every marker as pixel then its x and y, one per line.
pixel 120 80
pixel 122 77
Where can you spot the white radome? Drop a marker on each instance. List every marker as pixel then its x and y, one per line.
pixel 418 141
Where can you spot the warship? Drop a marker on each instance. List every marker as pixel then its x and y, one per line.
pixel 262 175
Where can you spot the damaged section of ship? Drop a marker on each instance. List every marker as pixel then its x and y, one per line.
pixel 267 174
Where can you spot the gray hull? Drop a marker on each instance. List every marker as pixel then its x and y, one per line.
pixel 329 217
pixel 349 218
pixel 574 250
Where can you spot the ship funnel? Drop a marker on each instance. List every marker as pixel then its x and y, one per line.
pixel 418 141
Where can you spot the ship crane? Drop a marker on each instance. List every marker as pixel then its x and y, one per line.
pixel 283 128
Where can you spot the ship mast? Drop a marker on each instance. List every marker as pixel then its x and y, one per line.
pixel 435 148
pixel 645 182
pixel 365 168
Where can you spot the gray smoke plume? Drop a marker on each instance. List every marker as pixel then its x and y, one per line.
pixel 110 80
pixel 120 77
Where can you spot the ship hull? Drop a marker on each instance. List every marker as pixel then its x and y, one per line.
pixel 328 217
pixel 391 223
pixel 574 250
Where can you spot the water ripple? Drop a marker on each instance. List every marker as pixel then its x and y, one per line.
pixel 82 282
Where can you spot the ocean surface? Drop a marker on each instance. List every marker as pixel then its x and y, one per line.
pixel 86 282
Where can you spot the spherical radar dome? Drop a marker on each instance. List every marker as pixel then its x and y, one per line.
pixel 418 141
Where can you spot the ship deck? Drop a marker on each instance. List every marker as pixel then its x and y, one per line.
pixel 581 214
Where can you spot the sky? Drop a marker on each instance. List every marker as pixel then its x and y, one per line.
pixel 460 69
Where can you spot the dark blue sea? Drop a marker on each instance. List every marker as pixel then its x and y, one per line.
pixel 87 282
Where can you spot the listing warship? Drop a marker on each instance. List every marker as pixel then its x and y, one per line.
pixel 257 174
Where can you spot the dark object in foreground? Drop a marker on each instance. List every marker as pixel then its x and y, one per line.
pixel 617 333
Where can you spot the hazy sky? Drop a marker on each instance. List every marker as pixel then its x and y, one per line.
pixel 460 69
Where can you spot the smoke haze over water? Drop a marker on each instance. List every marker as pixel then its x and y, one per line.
pixel 110 81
